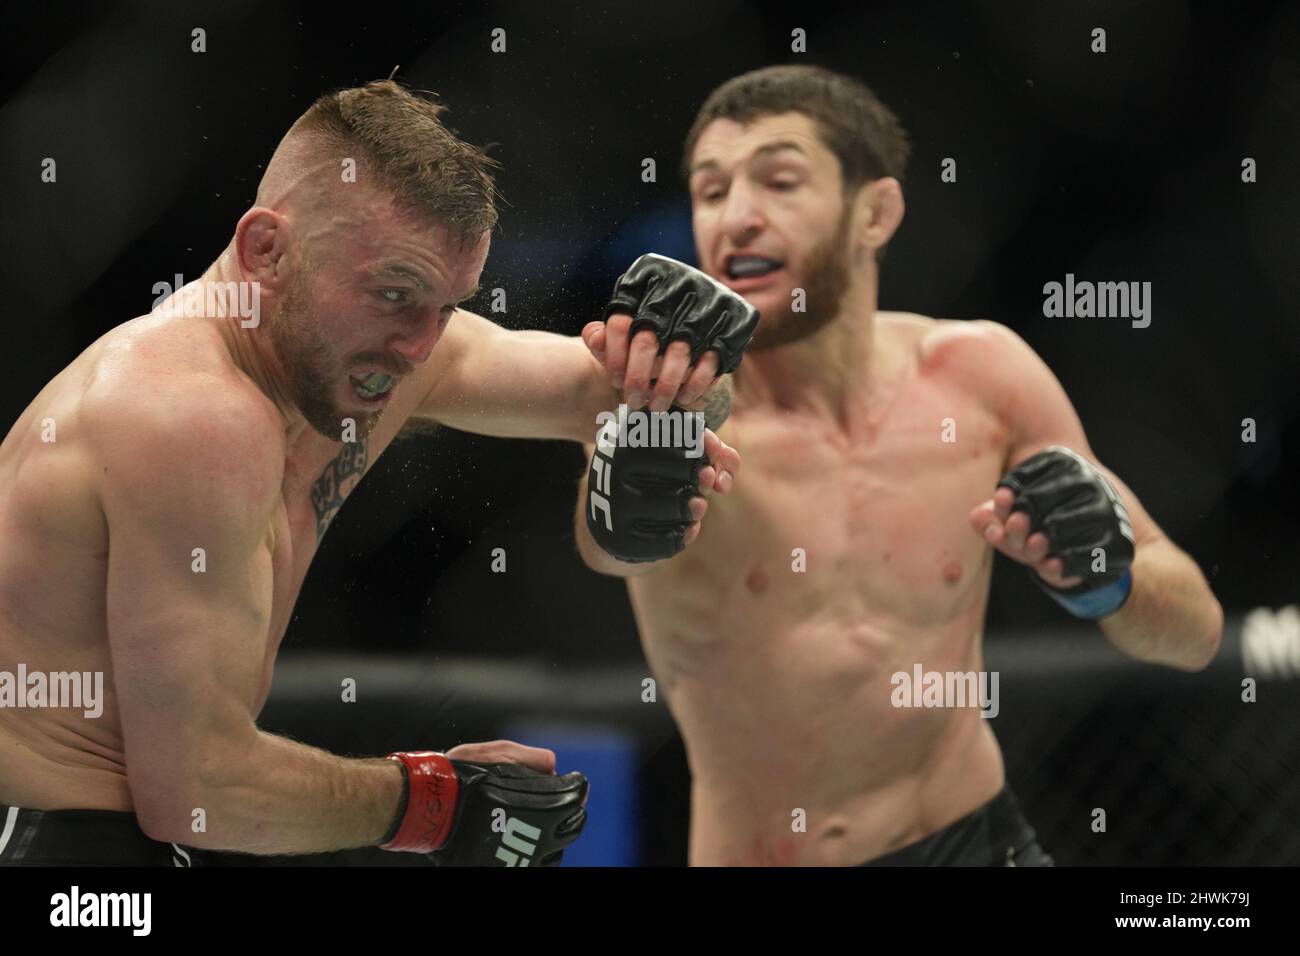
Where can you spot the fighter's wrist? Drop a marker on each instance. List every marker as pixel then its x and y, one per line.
pixel 1091 604
pixel 402 802
pixel 432 788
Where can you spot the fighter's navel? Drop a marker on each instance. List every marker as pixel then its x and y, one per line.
pixel 951 572
pixel 757 581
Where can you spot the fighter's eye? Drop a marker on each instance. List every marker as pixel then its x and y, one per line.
pixel 710 192
pixel 396 296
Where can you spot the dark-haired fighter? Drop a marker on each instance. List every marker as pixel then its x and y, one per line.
pixel 874 442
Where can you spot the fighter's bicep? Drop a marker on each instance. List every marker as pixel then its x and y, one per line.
pixel 515 383
pixel 479 368
pixel 1024 394
pixel 440 381
pixel 1038 413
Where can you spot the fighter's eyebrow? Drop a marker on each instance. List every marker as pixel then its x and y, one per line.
pixel 397 270
pixel 468 295
pixel 764 150
pixel 777 147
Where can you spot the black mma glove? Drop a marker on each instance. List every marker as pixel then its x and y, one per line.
pixel 678 302
pixel 500 814
pixel 1073 504
pixel 638 498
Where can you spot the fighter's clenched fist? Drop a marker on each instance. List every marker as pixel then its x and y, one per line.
pixel 669 332
pixel 1057 513
pixel 489 804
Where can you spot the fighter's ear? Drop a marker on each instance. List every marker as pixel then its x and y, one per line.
pixel 261 241
pixel 879 211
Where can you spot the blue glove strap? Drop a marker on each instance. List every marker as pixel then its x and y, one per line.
pixel 1093 604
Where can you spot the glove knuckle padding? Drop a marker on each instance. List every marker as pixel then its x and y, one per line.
pixel 511 815
pixel 1071 502
pixel 679 303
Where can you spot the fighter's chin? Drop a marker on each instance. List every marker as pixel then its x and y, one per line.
pixel 344 424
pixel 772 331
pixel 771 300
pixel 341 419
pixel 777 319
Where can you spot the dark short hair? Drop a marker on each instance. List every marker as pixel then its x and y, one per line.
pixel 856 127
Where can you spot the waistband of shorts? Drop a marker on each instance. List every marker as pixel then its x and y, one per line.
pixel 968 840
pixel 76 814
pixel 78 837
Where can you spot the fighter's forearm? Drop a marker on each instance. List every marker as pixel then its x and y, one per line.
pixel 1171 617
pixel 282 797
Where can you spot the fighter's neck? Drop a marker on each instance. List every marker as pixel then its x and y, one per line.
pixel 251 348
pixel 833 372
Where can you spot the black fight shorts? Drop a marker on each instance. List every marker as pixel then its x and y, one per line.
pixel 996 834
pixel 81 838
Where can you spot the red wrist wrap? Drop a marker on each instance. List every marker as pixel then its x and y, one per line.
pixel 431 802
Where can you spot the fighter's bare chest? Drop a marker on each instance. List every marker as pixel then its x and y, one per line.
pixel 882 513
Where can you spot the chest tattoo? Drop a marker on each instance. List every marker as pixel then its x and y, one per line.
pixel 336 483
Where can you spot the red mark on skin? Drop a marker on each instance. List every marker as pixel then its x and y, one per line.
pixel 951 572
pixel 757 581
pixel 784 853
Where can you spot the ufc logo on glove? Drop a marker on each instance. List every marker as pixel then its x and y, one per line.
pixel 602 467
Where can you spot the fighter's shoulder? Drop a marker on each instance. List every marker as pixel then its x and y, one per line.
pixel 167 402
pixel 964 341
pixel 976 352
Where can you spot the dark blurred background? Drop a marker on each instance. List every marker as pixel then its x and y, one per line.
pixel 1120 166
